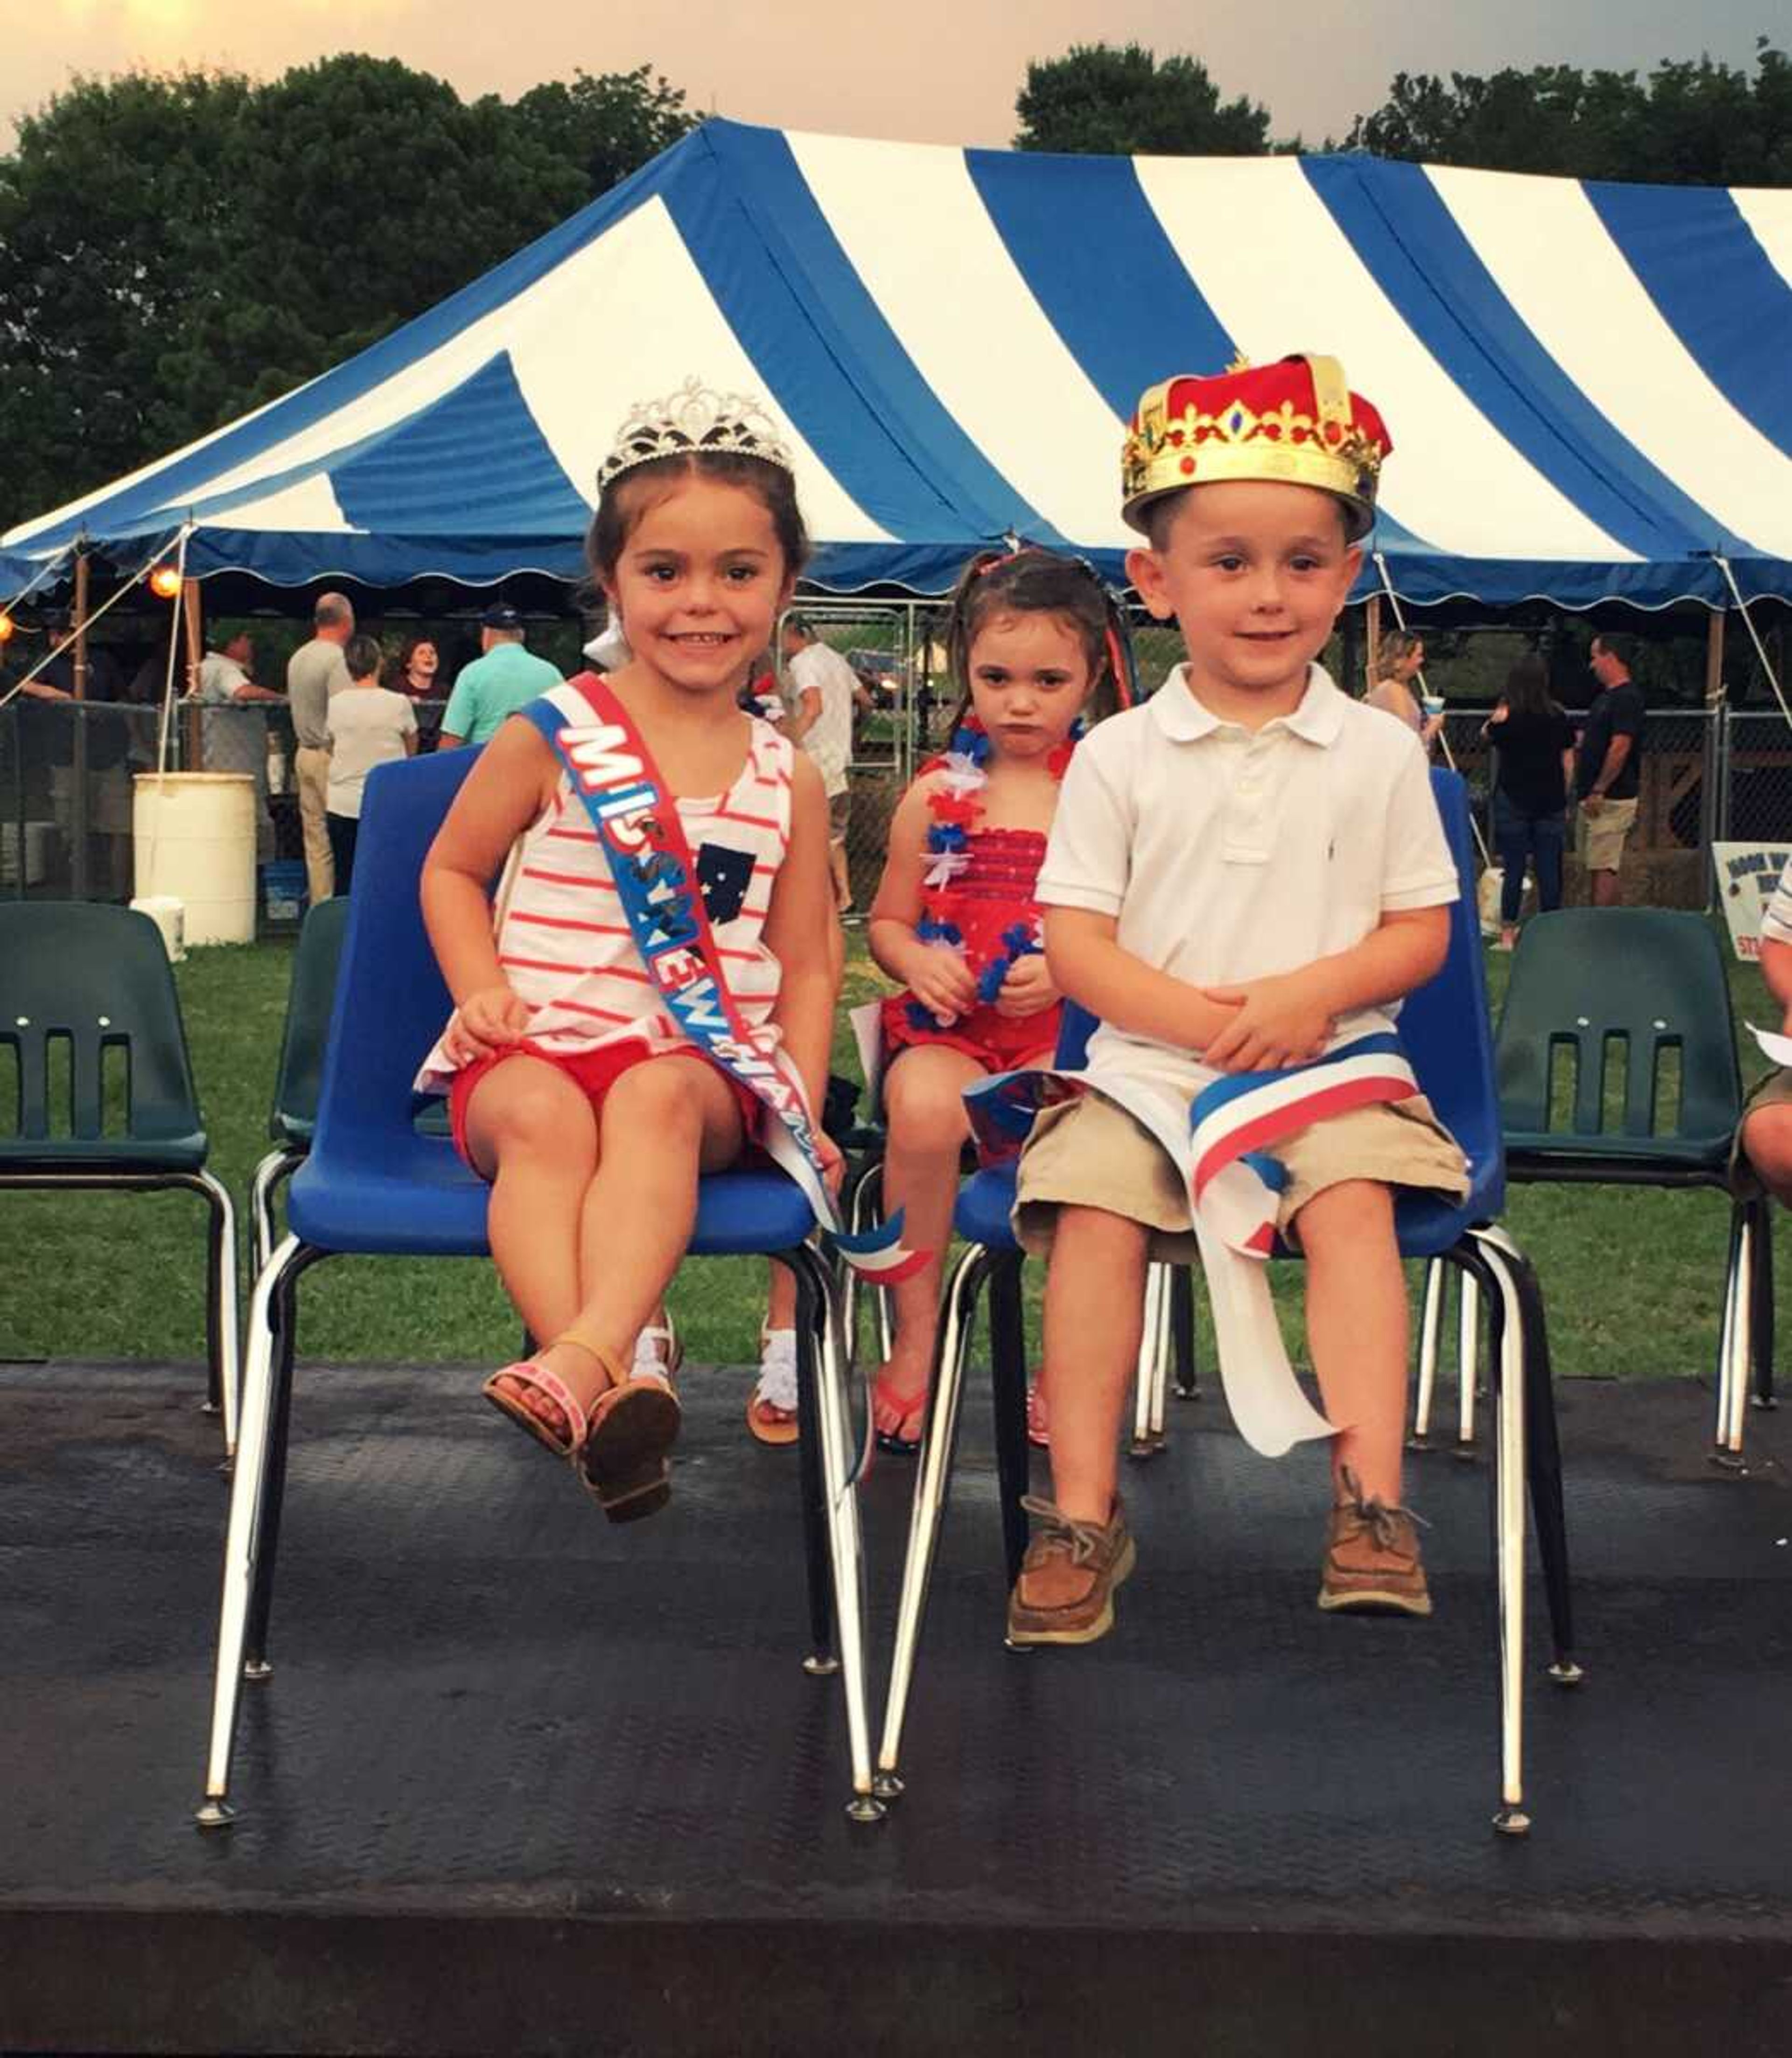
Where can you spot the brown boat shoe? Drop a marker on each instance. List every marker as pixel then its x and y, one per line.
pixel 1372 1557
pixel 1065 1593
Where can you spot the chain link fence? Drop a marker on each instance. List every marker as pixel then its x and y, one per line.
pixel 66 768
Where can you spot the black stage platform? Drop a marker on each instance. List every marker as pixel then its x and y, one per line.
pixel 525 1782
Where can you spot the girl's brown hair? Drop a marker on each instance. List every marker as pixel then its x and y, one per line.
pixel 1035 582
pixel 1528 687
pixel 627 497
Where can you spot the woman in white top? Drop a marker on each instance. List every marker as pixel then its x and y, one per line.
pixel 1402 659
pixel 368 725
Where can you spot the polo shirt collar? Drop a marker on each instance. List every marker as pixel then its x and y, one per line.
pixel 1183 719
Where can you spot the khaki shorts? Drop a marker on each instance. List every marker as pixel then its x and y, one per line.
pixel 1600 839
pixel 1774 1091
pixel 840 813
pixel 1091 1152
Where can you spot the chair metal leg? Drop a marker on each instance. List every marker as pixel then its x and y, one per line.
pixel 273 1170
pixel 811 1490
pixel 819 1339
pixel 1732 1342
pixel 1181 1332
pixel 1148 1377
pixel 1742 1337
pixel 282 1322
pixel 242 1542
pixel 222 1340
pixel 1761 1306
pixel 862 1206
pixel 1543 1448
pixel 1007 1361
pixel 1468 1361
pixel 932 1477
pixel 1430 1325
pixel 1510 1819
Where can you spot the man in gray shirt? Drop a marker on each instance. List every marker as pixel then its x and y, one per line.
pixel 314 673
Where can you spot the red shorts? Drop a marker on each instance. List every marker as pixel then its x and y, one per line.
pixel 998 1043
pixel 594 1073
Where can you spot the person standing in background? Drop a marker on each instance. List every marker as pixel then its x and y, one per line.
pixel 1402 659
pixel 369 725
pixel 1608 767
pixel 315 673
pixel 419 679
pixel 234 736
pixel 1535 740
pixel 818 714
pixel 503 678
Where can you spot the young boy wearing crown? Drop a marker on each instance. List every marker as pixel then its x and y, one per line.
pixel 1245 875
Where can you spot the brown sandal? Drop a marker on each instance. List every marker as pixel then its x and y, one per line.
pixel 621 1460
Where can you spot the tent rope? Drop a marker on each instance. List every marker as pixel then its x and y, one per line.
pixel 150 566
pixel 1754 638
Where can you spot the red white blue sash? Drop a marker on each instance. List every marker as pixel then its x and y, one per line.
pixel 609 767
pixel 1221 1143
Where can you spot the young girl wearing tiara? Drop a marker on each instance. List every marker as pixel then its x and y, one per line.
pixel 574 1086
pixel 1031 636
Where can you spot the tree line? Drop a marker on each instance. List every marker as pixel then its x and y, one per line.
pixel 177 248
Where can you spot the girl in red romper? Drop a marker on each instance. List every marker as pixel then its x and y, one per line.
pixel 1030 637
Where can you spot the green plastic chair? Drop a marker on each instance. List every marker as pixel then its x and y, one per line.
pixel 1617 1067
pixel 95 981
pixel 293 1118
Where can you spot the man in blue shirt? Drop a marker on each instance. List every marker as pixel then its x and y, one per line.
pixel 504 677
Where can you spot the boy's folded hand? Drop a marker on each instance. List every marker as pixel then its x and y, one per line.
pixel 486 1021
pixel 940 980
pixel 1278 1023
pixel 1028 989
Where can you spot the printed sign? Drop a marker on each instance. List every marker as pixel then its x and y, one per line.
pixel 1747 874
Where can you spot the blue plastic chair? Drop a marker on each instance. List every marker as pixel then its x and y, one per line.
pixel 375 1183
pixel 1445 1031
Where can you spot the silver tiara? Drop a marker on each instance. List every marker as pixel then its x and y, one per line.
pixel 694 418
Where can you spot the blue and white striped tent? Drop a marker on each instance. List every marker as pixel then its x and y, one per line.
pixel 1589 387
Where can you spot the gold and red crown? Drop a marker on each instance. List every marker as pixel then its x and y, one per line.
pixel 1296 421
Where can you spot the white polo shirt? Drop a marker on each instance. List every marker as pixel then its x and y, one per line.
pixel 1227 854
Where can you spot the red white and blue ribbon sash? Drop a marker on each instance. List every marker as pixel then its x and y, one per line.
pixel 1222 1143
pixel 636 819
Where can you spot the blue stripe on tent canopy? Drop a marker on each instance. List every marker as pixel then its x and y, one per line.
pixel 1427 580
pixel 1397 224
pixel 473 462
pixel 1095 256
pixel 185 478
pixel 1678 241
pixel 833 360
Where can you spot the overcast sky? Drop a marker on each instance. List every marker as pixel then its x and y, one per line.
pixel 926 70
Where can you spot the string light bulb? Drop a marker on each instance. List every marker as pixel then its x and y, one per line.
pixel 7 626
pixel 164 583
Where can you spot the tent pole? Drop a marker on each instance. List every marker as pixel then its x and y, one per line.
pixel 1714 658
pixel 81 603
pixel 189 619
pixel 1373 620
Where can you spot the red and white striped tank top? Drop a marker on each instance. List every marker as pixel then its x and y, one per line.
pixel 564 945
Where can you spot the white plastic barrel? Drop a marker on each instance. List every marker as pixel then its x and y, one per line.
pixel 194 838
pixel 170 917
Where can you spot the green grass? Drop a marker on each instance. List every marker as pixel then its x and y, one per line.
pixel 1632 1276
